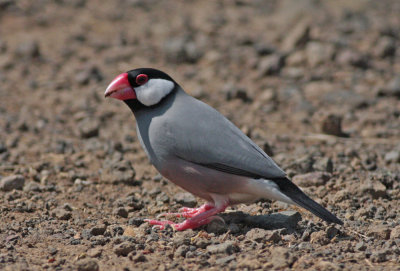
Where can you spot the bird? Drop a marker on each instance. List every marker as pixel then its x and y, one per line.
pixel 194 146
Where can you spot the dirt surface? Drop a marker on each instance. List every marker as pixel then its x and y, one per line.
pixel 315 83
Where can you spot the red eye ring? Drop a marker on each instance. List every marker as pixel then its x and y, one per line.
pixel 142 79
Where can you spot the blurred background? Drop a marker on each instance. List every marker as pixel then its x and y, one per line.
pixel 315 83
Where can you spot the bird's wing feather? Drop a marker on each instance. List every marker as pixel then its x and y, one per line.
pixel 215 142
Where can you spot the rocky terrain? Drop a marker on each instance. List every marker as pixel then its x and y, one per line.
pixel 315 83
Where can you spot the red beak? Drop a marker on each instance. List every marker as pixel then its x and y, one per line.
pixel 120 88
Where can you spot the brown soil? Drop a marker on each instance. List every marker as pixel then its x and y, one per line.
pixel 315 83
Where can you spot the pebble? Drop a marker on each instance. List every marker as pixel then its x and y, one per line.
pixel 319 237
pixel 182 49
pixel 87 265
pixel 228 247
pixel 233 92
pixel 319 53
pixel 392 88
pixel 185 199
pixel 181 251
pixel 380 232
pixel 395 233
pixel 282 257
pixel 312 179
pixel 217 226
pixel 28 49
pixel 12 182
pixel 297 37
pixel 61 214
pixel 392 156
pixel 271 64
pixel 121 211
pixel 88 127
pixel 225 260
pixel 385 47
pixel 332 125
pixel 140 258
pixel 360 246
pixel 262 236
pixel 33 187
pixel 374 188
pixel 353 58
pixel 123 249
pixel 90 73
pixel 98 230
pixel 379 256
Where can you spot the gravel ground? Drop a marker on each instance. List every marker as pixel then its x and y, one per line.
pixel 315 83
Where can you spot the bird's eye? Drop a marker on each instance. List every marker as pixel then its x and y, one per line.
pixel 141 79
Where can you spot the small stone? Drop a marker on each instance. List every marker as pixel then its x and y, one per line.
pixel 392 156
pixel 88 128
pixel 95 252
pixel 217 226
pixel 98 230
pixel 122 212
pixel 395 233
pixel 332 125
pixel 87 265
pixel 90 73
pixel 350 57
pixel 28 49
pixel 136 221
pixel 182 49
pixel 32 187
pixel 360 246
pixel 181 251
pixel 140 258
pixel 312 179
pixel 12 182
pixel 380 232
pixel 328 266
pixel 331 232
pixel 282 257
pixel 385 47
pixel 323 164
pixel 233 92
pixel 271 64
pixel 319 237
pixel 297 37
pixel 318 53
pixel 61 214
pixel 225 260
pixel 261 235
pixel 392 88
pixel 374 188
pixel 228 247
pixel 379 256
pixel 123 249
pixel 186 199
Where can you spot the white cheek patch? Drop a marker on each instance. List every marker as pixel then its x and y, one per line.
pixel 153 91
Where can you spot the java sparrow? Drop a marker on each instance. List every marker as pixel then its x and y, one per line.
pixel 195 147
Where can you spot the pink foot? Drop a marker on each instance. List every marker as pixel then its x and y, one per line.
pixel 188 212
pixel 199 216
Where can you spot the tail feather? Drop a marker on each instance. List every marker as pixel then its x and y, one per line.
pixel 296 195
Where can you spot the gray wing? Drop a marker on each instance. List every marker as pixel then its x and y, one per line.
pixel 202 135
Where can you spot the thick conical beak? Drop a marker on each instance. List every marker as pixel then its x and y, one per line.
pixel 120 88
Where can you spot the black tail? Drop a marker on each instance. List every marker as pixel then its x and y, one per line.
pixel 294 193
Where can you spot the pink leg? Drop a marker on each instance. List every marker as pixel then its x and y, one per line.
pixel 204 217
pixel 189 212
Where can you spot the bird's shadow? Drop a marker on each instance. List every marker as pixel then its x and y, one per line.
pixel 286 221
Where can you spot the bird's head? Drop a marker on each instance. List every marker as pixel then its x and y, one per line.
pixel 146 85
